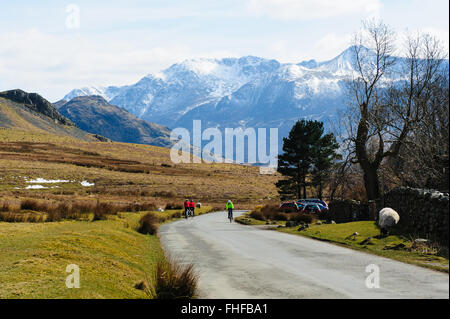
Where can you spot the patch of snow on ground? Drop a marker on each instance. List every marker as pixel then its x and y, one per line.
pixel 35 187
pixel 86 184
pixel 40 180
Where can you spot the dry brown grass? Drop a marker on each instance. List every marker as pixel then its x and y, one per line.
pixel 124 171
pixel 272 212
pixel 174 281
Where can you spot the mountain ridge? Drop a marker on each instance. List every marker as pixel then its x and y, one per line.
pixel 32 113
pixel 241 92
pixel 96 116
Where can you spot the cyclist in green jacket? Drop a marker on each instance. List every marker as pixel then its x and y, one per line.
pixel 230 208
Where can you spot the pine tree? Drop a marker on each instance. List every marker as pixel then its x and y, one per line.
pixel 304 149
pixel 324 157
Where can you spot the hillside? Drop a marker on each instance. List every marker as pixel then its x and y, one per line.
pixel 32 113
pixel 95 115
pixel 121 171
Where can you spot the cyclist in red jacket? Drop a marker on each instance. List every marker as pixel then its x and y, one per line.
pixel 186 207
pixel 192 206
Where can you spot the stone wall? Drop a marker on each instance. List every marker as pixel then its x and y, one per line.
pixel 422 212
pixel 345 210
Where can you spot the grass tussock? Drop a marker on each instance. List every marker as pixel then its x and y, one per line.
pixel 20 217
pixel 148 224
pixel 102 209
pixel 174 281
pixel 137 207
pixel 75 210
pixel 32 204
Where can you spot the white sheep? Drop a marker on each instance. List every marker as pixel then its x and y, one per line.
pixel 387 218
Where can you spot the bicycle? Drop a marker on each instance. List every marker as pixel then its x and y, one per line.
pixel 230 215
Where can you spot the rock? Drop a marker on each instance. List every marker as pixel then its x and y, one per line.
pixel 367 241
pixel 291 223
pixel 352 236
pixel 421 241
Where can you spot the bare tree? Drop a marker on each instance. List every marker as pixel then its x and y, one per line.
pixel 390 95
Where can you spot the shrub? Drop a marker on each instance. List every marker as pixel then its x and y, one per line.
pixel 7 207
pixel 137 207
pixel 148 224
pixel 257 215
pixel 270 209
pixel 83 207
pixel 32 204
pixel 280 216
pixel 103 209
pixel 53 215
pixel 301 218
pixel 174 281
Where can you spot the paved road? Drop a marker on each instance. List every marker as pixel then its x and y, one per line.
pixel 237 261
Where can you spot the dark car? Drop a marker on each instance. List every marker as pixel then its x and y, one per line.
pixel 289 207
pixel 311 208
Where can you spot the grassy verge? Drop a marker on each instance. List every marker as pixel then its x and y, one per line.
pixel 113 257
pixel 339 234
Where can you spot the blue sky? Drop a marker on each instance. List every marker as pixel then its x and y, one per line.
pixel 118 42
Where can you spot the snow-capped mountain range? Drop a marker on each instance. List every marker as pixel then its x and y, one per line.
pixel 247 91
pixel 236 92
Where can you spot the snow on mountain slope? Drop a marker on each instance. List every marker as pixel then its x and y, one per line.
pixel 106 92
pixel 247 91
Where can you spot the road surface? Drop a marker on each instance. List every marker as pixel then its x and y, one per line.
pixel 237 261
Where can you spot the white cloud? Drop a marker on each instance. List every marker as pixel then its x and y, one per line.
pixel 332 44
pixel 312 9
pixel 51 65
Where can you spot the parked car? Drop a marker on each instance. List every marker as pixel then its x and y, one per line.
pixel 301 204
pixel 313 200
pixel 289 207
pixel 311 208
pixel 323 209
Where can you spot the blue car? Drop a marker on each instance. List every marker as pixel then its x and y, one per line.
pixel 313 200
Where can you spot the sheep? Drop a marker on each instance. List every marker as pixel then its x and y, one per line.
pixel 198 205
pixel 387 218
